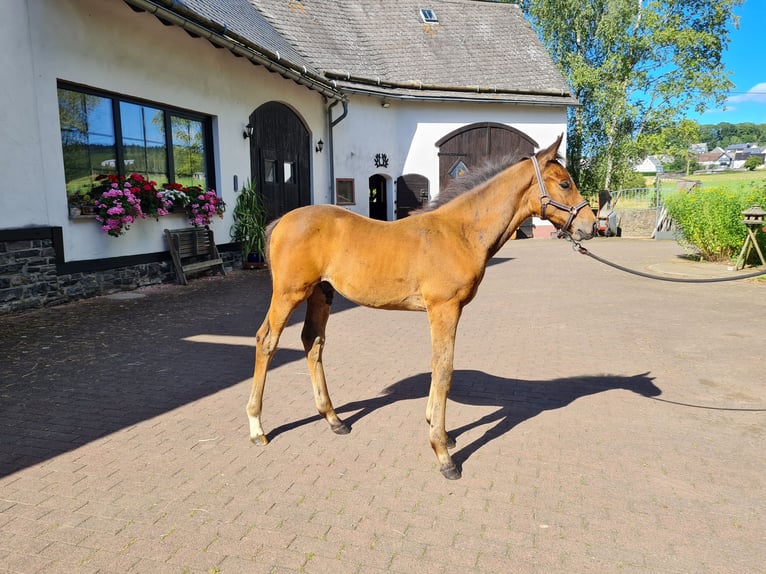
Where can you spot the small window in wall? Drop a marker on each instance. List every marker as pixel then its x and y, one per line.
pixel 290 172
pixel 270 170
pixel 344 189
pixel 104 133
pixel 458 170
pixel 428 16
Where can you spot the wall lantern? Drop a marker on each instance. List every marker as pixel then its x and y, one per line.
pixel 248 132
pixel 319 147
pixel 381 160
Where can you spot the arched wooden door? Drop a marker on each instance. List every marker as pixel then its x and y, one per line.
pixel 280 148
pixel 411 192
pixel 471 146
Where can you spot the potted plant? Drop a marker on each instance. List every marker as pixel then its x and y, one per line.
pixel 249 227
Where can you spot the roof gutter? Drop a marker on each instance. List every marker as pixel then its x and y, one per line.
pixel 417 85
pixel 221 37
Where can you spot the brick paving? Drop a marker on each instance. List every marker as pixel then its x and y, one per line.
pixel 605 423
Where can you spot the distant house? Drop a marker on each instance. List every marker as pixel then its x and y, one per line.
pixel 716 159
pixel 652 164
pixel 375 112
pixel 698 148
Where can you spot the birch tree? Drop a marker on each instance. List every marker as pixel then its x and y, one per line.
pixel 636 66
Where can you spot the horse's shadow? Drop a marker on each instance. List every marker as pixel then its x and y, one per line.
pixel 516 400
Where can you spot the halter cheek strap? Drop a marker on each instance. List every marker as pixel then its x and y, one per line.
pixel 546 200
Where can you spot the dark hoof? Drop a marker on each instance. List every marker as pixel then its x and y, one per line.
pixel 260 439
pixel 340 429
pixel 451 441
pixel 450 471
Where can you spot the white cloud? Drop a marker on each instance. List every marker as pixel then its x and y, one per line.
pixel 755 94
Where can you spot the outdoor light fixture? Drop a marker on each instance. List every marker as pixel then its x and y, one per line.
pixel 248 131
pixel 319 147
pixel 385 104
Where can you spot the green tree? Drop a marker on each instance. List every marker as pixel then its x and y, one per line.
pixel 753 161
pixel 634 65
pixel 673 140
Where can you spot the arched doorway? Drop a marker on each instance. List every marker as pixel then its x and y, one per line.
pixel 471 146
pixel 378 199
pixel 411 191
pixel 280 148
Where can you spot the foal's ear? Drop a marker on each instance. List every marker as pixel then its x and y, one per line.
pixel 550 153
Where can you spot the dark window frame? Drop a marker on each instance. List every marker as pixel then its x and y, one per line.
pixel 168 111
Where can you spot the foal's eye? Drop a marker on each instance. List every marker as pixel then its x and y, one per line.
pixel 564 185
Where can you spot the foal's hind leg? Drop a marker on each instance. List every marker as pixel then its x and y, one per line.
pixel 313 337
pixel 266 340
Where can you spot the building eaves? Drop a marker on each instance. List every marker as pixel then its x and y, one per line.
pixel 236 26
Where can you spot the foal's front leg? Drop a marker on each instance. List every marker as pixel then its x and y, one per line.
pixel 443 320
pixel 313 337
pixel 266 340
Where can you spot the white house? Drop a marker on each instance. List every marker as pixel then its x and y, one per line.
pixel 336 107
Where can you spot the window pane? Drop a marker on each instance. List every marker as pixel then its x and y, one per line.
pixel 87 139
pixel 290 172
pixel 188 151
pixel 143 141
pixel 345 191
pixel 269 171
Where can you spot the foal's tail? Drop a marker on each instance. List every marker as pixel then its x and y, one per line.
pixel 268 231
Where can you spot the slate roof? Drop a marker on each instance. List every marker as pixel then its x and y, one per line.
pixel 478 50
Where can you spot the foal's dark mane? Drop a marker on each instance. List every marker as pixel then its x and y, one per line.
pixel 473 179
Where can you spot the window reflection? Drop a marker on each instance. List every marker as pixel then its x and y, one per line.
pixel 143 140
pixel 188 151
pixel 103 134
pixel 87 137
pixel 269 170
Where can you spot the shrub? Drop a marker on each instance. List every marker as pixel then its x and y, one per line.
pixel 711 219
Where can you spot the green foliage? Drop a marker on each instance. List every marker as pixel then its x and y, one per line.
pixel 753 161
pixel 630 180
pixel 250 221
pixel 711 219
pixel 724 134
pixel 634 66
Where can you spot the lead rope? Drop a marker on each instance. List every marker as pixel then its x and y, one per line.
pixel 577 246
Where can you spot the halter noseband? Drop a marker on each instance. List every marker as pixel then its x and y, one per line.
pixel 546 200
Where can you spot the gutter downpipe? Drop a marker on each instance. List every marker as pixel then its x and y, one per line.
pixel 330 144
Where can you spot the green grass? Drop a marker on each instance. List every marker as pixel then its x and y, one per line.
pixel 732 180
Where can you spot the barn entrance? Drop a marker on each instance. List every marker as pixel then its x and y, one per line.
pixel 280 148
pixel 470 147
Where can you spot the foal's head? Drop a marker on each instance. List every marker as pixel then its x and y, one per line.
pixel 556 197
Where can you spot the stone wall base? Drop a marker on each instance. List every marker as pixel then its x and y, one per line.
pixel 31 275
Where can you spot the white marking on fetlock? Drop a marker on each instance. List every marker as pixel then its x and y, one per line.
pixel 256 430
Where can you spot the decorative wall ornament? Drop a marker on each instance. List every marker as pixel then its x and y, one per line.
pixel 381 160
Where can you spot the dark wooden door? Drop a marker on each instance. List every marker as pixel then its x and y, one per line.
pixel 378 204
pixel 279 158
pixel 471 146
pixel 411 190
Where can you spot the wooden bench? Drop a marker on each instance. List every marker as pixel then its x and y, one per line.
pixel 193 249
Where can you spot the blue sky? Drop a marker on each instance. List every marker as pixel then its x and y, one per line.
pixel 743 58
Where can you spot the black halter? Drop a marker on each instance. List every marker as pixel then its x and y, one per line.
pixel 546 200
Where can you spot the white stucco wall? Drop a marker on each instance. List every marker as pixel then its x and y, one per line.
pixel 407 132
pixel 105 45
